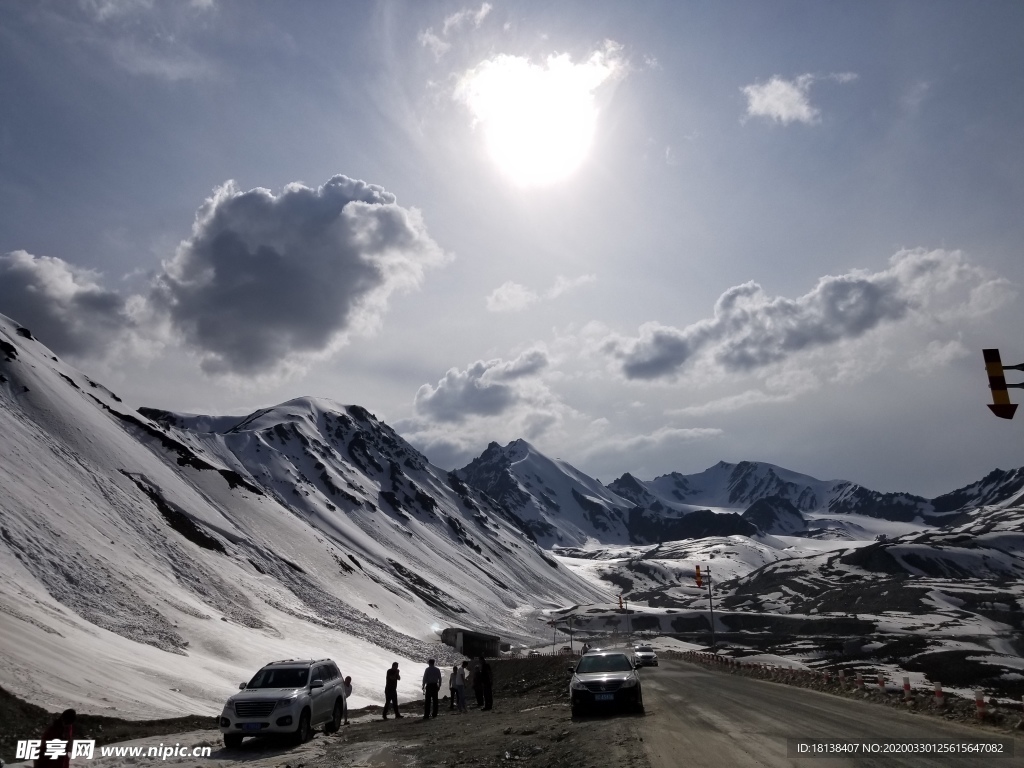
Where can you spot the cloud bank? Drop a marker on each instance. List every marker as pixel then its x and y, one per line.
pixel 750 329
pixel 265 282
pixel 64 306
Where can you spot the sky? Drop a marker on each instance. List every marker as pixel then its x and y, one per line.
pixel 643 238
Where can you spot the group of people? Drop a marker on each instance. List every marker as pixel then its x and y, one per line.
pixel 460 679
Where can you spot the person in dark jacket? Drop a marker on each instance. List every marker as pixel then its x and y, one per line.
pixel 451 686
pixel 61 729
pixel 486 682
pixel 348 692
pixel 478 685
pixel 391 691
pixel 431 685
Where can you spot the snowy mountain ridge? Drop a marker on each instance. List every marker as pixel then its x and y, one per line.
pixel 561 506
pixel 172 555
pixel 169 555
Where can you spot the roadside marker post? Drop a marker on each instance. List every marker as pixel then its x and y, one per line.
pixel 906 689
pixel 1000 405
pixel 881 683
pixel 940 700
pixel 979 703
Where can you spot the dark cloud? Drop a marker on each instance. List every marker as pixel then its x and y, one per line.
pixel 64 307
pixel 267 279
pixel 750 329
pixel 483 389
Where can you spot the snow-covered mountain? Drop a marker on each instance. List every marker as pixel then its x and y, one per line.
pixel 557 503
pixel 737 486
pixel 150 560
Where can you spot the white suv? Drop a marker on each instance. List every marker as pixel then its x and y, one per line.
pixel 286 697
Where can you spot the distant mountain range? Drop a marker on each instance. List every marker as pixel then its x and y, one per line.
pixel 150 547
pixel 561 506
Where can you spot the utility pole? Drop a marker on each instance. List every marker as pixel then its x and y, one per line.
pixel 629 632
pixel 711 606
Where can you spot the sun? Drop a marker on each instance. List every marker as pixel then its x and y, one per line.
pixel 538 120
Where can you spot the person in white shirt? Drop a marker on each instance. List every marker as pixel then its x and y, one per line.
pixel 461 678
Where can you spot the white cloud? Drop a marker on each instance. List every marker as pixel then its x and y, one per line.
pixel 788 101
pixel 514 297
pixel 439 44
pixel 565 284
pixel 485 388
pixel 65 307
pixel 785 101
pixel 938 354
pixel 269 280
pixel 511 297
pixel 457 19
pixel 750 329
pixel 643 449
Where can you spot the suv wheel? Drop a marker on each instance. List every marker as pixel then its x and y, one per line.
pixel 232 740
pixel 304 732
pixel 332 725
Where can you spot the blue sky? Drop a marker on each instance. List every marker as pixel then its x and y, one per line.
pixel 646 238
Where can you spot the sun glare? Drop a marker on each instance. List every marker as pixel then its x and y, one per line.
pixel 538 120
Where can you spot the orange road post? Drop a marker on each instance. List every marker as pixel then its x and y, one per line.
pixel 1000 405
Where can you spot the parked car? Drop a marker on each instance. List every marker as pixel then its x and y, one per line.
pixel 645 656
pixel 286 697
pixel 533 653
pixel 605 679
pixel 566 650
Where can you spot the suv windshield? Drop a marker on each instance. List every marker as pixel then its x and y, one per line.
pixel 644 649
pixel 611 663
pixel 280 677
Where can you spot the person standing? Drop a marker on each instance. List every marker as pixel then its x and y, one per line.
pixel 478 685
pixel 391 691
pixel 348 692
pixel 431 685
pixel 63 730
pixel 451 687
pixel 487 683
pixel 460 686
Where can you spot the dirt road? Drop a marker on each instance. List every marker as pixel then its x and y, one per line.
pixel 699 717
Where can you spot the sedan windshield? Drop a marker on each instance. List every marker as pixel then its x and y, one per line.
pixel 280 677
pixel 616 662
